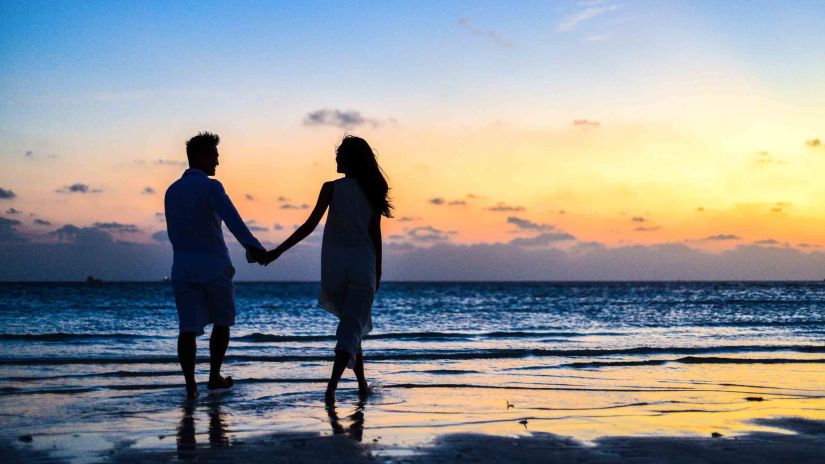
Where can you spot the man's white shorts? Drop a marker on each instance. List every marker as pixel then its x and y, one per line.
pixel 203 303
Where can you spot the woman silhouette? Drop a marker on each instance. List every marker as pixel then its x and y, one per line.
pixel 351 252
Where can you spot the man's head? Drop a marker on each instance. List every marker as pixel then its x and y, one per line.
pixel 202 152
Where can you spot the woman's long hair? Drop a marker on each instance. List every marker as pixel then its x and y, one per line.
pixel 358 160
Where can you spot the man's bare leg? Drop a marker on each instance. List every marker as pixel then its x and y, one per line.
pixel 186 355
pixel 218 343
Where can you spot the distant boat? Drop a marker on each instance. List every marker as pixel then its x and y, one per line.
pixel 93 281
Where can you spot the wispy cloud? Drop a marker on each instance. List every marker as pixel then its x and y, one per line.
pixel 249 197
pixel 148 191
pixel 813 143
pixel 427 234
pixel 117 227
pixel 637 219
pixel 338 118
pixel 586 124
pixel 7 194
pixel 8 230
pixel 436 201
pixel 487 34
pixel 78 187
pixel 291 206
pixel 253 226
pixel 646 229
pixel 768 241
pixel 590 11
pixel 408 219
pixel 543 239
pixel 526 224
pixel 41 222
pixel 277 227
pixel 503 207
pixel 721 238
pixel 13 211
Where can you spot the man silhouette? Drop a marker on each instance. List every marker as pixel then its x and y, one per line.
pixel 202 271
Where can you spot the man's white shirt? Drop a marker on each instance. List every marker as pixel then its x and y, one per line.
pixel 195 206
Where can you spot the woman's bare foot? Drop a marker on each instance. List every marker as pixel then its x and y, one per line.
pixel 364 390
pixel 192 391
pixel 220 383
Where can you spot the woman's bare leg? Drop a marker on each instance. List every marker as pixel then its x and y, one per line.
pixel 341 359
pixel 363 387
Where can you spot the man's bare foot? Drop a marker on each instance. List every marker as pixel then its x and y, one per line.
pixel 192 391
pixel 220 383
pixel 329 397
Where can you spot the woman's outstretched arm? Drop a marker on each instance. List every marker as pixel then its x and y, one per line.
pixel 307 227
pixel 375 235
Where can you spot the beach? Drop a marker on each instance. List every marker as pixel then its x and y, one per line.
pixel 472 372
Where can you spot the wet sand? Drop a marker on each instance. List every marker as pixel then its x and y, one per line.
pixel 670 413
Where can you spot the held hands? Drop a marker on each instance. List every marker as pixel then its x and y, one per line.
pixel 270 256
pixel 256 255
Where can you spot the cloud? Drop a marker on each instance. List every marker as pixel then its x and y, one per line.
pixel 249 197
pixel 488 34
pixel 592 10
pixel 526 224
pixel 637 219
pixel 82 235
pixel 768 241
pixel 440 261
pixel 29 154
pixel 148 191
pixel 8 230
pixel 277 227
pixel 255 227
pixel 117 227
pixel 282 199
pixel 13 211
pixel 160 216
pixel 6 194
pixel 586 124
pixel 700 209
pixel 542 239
pixel 779 206
pixel 813 143
pixel 291 206
pixel 457 203
pixel 78 188
pixel 338 118
pixel 427 234
pixel 408 219
pixel 646 229
pixel 160 236
pixel 502 207
pixel 436 201
pixel 721 237
pixel 168 162
pixel 41 222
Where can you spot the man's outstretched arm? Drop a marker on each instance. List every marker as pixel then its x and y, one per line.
pixel 221 203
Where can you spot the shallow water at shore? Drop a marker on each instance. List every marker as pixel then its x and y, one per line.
pixel 89 372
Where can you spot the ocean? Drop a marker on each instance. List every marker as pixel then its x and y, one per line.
pixel 98 362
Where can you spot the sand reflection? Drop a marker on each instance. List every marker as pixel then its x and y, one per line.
pixel 355 421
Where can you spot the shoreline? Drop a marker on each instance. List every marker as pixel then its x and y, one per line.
pixel 796 440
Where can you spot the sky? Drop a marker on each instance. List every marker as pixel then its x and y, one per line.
pixel 595 140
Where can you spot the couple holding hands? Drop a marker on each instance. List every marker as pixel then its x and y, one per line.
pixel 202 272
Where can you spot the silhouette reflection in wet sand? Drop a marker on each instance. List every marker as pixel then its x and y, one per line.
pixel 187 431
pixel 355 430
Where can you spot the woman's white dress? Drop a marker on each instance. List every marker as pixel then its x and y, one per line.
pixel 348 265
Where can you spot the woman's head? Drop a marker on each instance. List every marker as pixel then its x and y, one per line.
pixel 356 159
